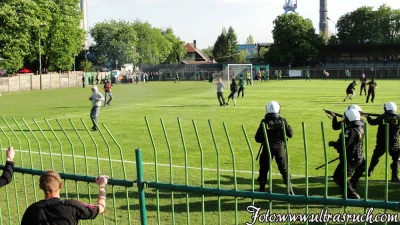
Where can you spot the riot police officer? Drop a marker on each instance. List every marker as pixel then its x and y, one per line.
pixel 274 129
pixel 355 159
pixel 393 119
pixel 337 125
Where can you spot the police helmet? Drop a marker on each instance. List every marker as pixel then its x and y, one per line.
pixel 273 107
pixel 390 107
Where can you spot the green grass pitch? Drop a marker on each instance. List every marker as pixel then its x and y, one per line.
pixel 301 102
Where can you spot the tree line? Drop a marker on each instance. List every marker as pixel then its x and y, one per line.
pixel 135 42
pixel 55 22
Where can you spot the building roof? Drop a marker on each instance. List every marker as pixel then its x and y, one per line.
pixel 189 47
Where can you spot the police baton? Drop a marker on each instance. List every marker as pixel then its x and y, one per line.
pixel 259 152
pixel 328 163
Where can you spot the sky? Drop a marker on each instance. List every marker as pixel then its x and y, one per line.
pixel 203 20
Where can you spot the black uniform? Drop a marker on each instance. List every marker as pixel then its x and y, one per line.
pixel 363 85
pixel 55 211
pixel 394 127
pixel 273 125
pixel 234 90
pixel 7 175
pixel 371 90
pixel 350 89
pixel 354 136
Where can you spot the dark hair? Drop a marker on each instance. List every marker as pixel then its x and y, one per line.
pixel 233 80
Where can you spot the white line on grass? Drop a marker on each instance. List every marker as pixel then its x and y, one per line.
pixel 126 106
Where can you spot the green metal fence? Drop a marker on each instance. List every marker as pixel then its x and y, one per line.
pixel 79 155
pixel 197 197
pixel 205 183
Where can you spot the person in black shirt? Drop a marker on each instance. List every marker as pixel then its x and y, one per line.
pixel 354 136
pixel 54 211
pixel 83 81
pixel 350 90
pixel 274 129
pixel 363 84
pixel 371 90
pixel 393 119
pixel 8 171
pixel 234 90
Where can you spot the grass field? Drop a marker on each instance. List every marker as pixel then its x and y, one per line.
pixel 301 102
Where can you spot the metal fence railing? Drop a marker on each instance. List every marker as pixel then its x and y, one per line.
pixel 79 155
pixel 172 187
pixel 165 182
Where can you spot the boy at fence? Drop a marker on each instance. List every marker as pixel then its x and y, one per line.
pixel 354 136
pixel 350 90
pixel 8 171
pixel 393 119
pixel 96 99
pixel 274 129
pixel 54 211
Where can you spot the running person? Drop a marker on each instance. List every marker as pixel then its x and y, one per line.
pixel 326 75
pixel 242 86
pixel 234 89
pixel 348 75
pixel 371 90
pixel 177 78
pixel 108 94
pixel 308 76
pixel 220 92
pixel 96 99
pixel 363 84
pixel 350 90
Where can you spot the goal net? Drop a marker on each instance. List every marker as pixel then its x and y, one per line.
pixel 236 71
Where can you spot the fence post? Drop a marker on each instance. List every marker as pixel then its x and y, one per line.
pixel 140 184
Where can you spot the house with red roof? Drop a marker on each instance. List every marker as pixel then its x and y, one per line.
pixel 194 55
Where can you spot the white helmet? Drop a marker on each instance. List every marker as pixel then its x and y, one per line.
pixel 273 107
pixel 356 107
pixel 353 115
pixel 390 107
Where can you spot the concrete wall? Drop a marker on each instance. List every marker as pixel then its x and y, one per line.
pixel 31 82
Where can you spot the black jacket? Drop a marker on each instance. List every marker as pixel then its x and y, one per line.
pixel 354 137
pixel 234 87
pixel 7 175
pixel 274 128
pixel 394 127
pixel 351 87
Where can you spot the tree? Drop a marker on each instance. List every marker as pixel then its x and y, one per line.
pixel 208 52
pixel 366 26
pixel 220 51
pixel 242 56
pixel 295 40
pixel 178 47
pixel 152 47
pixel 63 35
pixel 226 47
pixel 115 41
pixel 86 66
pixel 60 33
pixel 250 40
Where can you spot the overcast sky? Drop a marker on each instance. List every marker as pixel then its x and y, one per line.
pixel 202 20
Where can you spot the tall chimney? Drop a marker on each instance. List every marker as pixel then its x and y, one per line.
pixel 323 19
pixel 195 44
pixel 84 23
